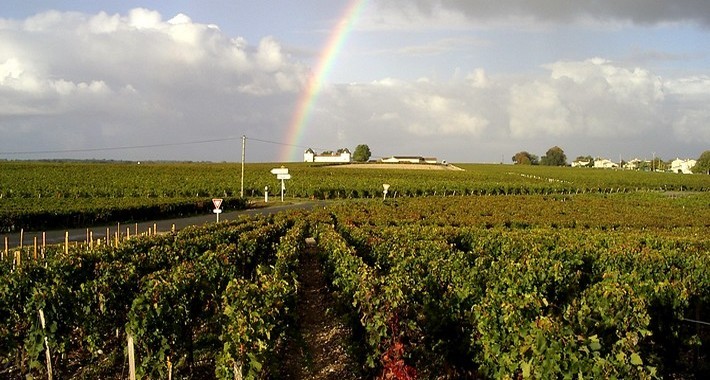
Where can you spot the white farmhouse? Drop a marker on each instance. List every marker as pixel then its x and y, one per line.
pixel 580 164
pixel 682 166
pixel 604 163
pixel 342 156
pixel 409 160
pixel 635 164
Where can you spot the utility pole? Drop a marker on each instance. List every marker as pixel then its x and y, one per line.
pixel 653 163
pixel 244 143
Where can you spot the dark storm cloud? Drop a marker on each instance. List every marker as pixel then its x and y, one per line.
pixel 636 11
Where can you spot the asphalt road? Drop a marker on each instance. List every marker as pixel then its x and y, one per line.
pixel 79 234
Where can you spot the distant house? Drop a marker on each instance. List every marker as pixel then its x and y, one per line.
pixel 409 160
pixel 634 164
pixel 580 164
pixel 603 163
pixel 341 156
pixel 682 166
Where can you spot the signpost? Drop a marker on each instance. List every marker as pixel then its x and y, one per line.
pixel 282 174
pixel 385 186
pixel 217 202
pixel 281 170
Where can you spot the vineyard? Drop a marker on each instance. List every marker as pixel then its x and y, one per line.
pixel 533 286
pixel 491 272
pixel 438 290
pixel 50 195
pixel 200 303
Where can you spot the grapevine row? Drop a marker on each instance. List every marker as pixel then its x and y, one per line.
pixel 535 302
pixel 175 294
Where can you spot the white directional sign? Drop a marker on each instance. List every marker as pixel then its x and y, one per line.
pixel 281 174
pixel 278 171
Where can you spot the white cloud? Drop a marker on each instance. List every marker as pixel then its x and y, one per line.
pixel 269 56
pixel 588 98
pixel 94 75
pixel 626 85
pixel 10 70
pixel 693 125
pixel 141 18
pixel 692 117
pixel 478 78
pixel 690 86
pixel 536 108
pixel 72 80
pixel 436 115
pixel 103 23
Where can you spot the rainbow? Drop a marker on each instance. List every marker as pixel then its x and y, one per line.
pixel 310 93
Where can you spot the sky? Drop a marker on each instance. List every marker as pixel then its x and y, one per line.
pixel 460 80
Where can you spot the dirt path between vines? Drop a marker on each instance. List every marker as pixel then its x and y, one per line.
pixel 321 348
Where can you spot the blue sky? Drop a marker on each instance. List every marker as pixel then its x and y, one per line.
pixel 465 81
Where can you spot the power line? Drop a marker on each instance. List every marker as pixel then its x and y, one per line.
pixel 284 144
pixel 127 147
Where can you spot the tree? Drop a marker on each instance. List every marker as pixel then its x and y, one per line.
pixel 657 164
pixel 362 153
pixel 555 156
pixel 702 164
pixel 525 158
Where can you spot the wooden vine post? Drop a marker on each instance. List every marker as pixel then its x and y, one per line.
pixel 46 345
pixel 237 367
pixel 131 359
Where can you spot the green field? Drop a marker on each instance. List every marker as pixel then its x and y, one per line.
pixel 45 195
pixel 495 271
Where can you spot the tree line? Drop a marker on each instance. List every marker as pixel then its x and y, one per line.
pixel 555 156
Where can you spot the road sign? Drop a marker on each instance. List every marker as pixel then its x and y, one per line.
pixel 217 202
pixel 281 174
pixel 278 171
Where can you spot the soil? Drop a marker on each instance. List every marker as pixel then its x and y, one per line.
pixel 321 348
